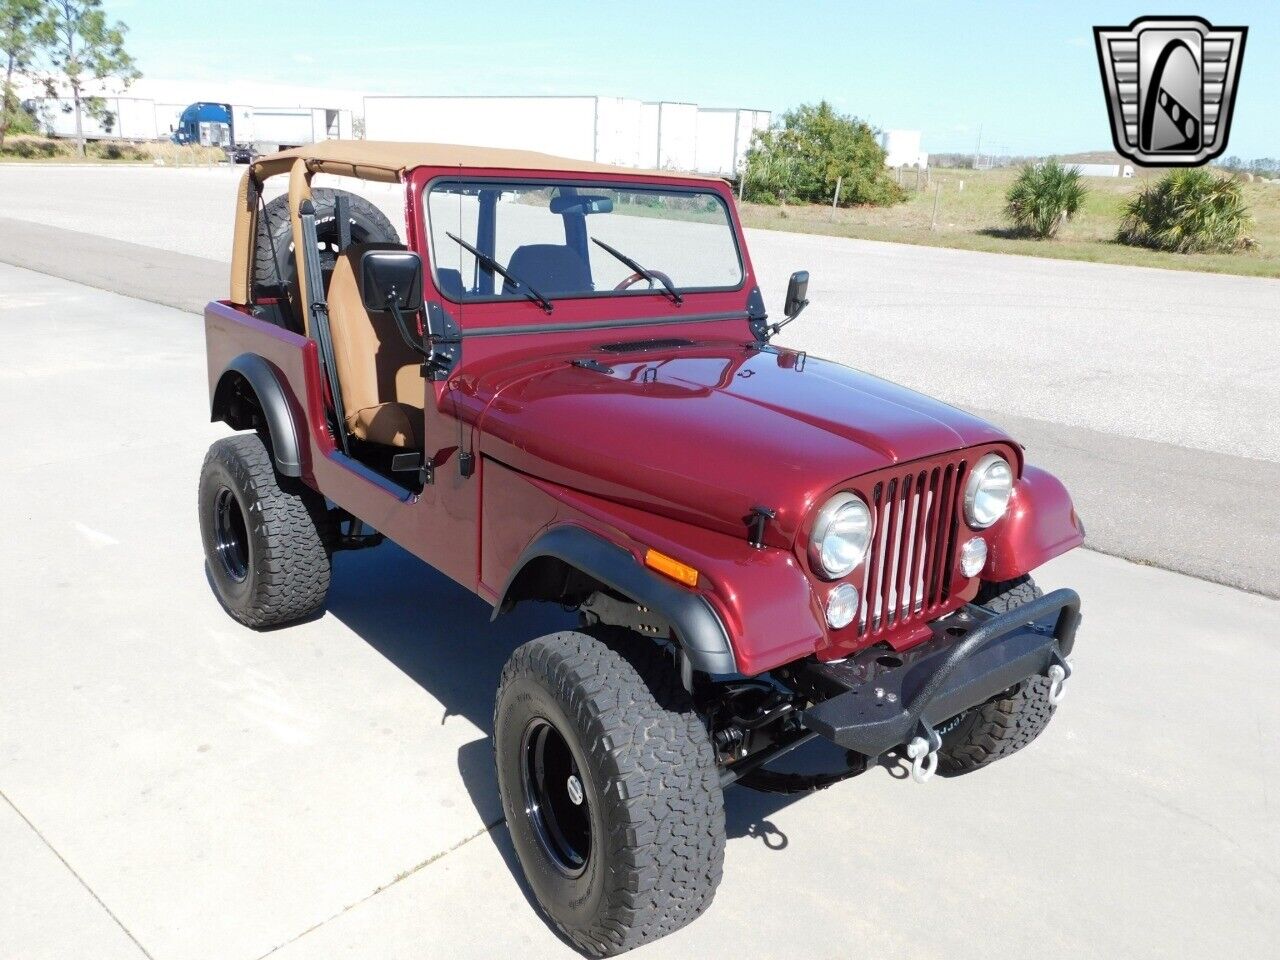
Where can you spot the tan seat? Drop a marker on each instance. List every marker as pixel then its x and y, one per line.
pixel 380 375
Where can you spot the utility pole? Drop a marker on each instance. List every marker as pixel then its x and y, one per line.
pixel 977 153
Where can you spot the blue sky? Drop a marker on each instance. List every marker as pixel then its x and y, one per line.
pixel 1025 73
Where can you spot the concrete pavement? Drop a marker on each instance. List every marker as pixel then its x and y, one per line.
pixel 176 786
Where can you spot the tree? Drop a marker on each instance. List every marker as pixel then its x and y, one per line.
pixel 1043 197
pixel 19 20
pixel 1187 211
pixel 814 148
pixel 83 47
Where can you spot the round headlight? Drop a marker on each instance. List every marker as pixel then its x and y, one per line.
pixel 986 495
pixel 841 536
pixel 973 557
pixel 842 605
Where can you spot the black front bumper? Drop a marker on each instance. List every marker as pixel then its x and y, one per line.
pixel 879 699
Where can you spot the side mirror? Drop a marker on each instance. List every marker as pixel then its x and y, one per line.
pixel 797 294
pixel 391 280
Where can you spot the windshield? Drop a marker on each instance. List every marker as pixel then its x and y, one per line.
pixel 494 241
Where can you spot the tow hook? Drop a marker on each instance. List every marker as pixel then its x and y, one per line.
pixel 1059 672
pixel 923 753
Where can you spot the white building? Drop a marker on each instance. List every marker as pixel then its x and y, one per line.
pixel 902 149
pixel 1102 169
pixel 615 130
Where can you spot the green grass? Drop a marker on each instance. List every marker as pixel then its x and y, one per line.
pixel 973 218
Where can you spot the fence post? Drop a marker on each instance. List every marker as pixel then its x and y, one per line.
pixel 933 224
pixel 835 202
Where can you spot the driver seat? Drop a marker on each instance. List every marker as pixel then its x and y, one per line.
pixel 379 374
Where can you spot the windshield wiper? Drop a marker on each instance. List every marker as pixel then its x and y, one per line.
pixel 491 264
pixel 649 275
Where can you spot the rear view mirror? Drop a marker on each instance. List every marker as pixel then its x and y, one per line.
pixel 797 294
pixel 391 280
pixel 581 203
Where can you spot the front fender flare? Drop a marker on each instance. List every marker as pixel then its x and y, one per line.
pixel 698 628
pixel 274 403
pixel 1040 524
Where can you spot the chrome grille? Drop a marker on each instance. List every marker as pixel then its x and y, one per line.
pixel 907 575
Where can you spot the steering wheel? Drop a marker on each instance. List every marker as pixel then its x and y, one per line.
pixel 635 278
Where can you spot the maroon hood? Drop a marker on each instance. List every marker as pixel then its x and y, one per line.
pixel 704 433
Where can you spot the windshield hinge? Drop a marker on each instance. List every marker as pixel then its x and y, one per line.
pixel 757 315
pixel 444 342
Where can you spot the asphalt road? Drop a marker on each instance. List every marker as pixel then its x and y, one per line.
pixel 1152 393
pixel 175 786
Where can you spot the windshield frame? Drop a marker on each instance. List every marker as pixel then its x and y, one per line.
pixel 609 183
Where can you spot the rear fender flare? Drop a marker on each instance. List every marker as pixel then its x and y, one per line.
pixel 277 413
pixel 696 625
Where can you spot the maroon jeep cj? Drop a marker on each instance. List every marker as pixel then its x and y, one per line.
pixel 555 381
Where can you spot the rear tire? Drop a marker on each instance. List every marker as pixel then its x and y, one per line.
pixel 265 536
pixel 1009 721
pixel 610 788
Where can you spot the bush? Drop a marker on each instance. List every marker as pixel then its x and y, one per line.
pixel 801 161
pixel 1187 211
pixel 32 148
pixel 1042 197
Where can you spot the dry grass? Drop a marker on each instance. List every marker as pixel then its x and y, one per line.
pixel 972 218
pixel 27 149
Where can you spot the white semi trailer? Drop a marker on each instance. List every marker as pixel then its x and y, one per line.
pixel 614 130
pixel 129 118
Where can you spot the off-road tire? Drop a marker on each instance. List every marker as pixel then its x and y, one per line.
pixel 285 530
pixel 1005 595
pixel 1009 721
pixel 273 261
pixel 650 779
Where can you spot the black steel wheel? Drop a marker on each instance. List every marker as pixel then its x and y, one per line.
pixel 554 798
pixel 230 535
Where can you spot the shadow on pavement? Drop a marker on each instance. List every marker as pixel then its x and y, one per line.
pixel 440 635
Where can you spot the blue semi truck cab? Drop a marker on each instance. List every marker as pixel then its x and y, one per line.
pixel 212 125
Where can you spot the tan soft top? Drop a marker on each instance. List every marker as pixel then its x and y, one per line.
pixel 387 160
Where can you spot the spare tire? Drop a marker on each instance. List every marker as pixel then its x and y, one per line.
pixel 274 266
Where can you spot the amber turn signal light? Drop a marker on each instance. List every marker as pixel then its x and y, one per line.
pixel 671 567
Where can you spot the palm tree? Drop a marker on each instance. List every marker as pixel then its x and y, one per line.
pixel 1044 196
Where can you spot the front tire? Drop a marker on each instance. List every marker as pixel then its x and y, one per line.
pixel 610 788
pixel 264 536
pixel 1008 721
